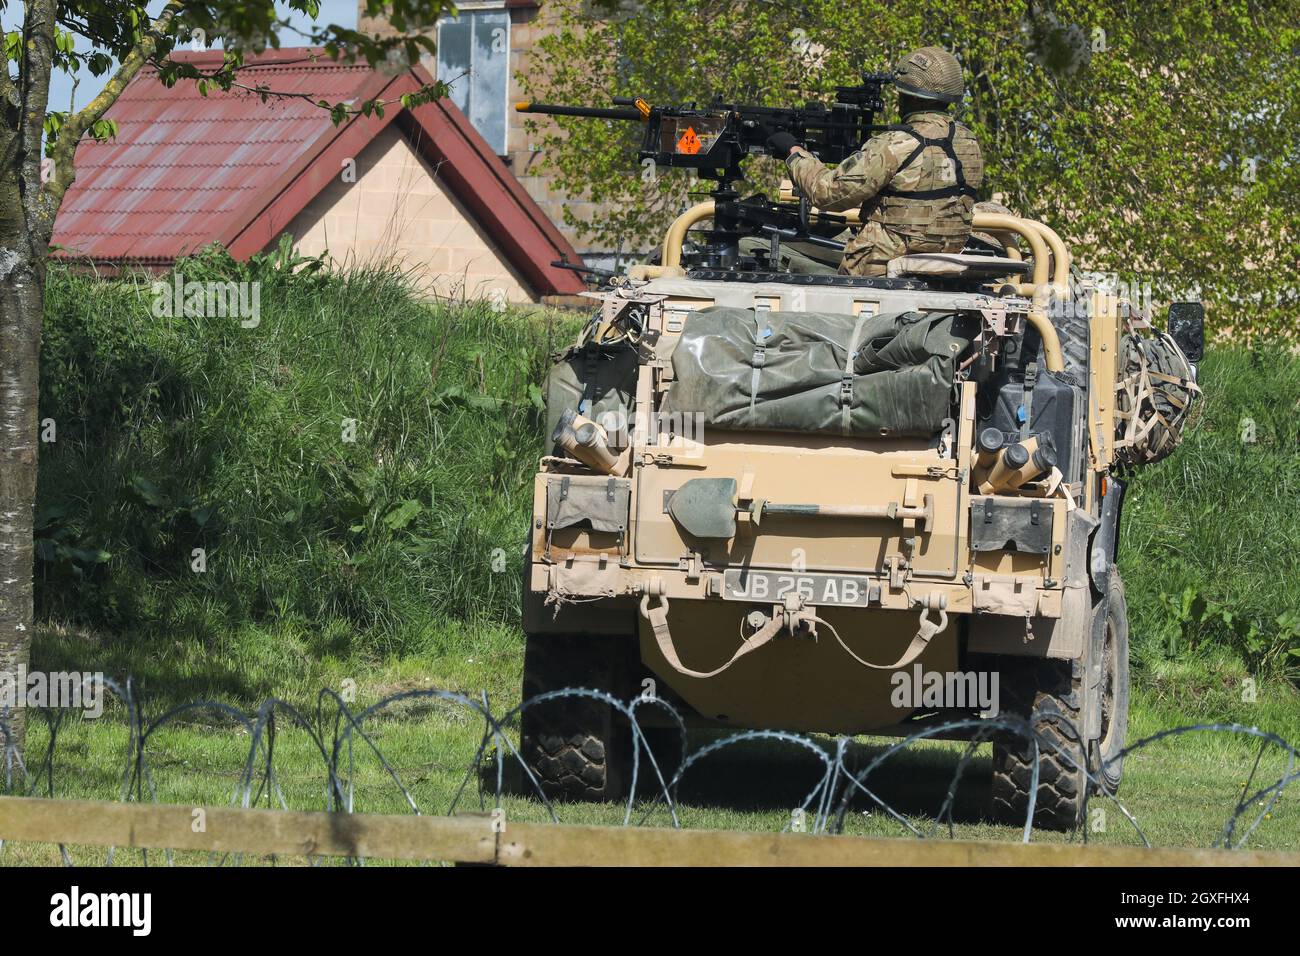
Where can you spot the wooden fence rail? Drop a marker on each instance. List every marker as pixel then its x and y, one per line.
pixel 481 839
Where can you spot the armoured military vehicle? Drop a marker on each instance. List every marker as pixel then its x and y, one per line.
pixel 773 488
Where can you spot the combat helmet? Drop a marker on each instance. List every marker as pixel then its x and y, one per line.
pixel 930 73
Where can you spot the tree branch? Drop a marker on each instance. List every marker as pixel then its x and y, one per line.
pixel 34 97
pixel 75 127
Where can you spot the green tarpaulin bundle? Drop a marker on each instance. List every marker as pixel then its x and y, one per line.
pixel 819 372
pixel 598 381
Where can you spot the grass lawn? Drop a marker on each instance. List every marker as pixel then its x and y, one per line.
pixel 1180 790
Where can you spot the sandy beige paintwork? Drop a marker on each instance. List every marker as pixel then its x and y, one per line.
pixel 1001 601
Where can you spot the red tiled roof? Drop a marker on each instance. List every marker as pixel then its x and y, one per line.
pixel 186 170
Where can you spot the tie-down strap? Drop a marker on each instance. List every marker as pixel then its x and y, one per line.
pixel 924 633
pixel 846 381
pixel 658 618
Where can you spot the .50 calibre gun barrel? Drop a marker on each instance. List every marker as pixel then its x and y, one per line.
pixel 591 112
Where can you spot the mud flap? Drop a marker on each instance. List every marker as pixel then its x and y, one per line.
pixel 658 620
pixel 1105 540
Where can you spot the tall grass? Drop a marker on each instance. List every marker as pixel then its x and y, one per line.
pixel 1210 544
pixel 178 434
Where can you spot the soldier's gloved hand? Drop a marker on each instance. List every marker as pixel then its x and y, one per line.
pixel 780 142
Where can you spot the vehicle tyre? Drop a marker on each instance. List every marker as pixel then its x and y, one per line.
pixel 1108 766
pixel 578 748
pixel 1040 689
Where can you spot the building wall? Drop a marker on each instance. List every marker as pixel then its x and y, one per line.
pixel 398 211
pixel 527 27
pixel 529 22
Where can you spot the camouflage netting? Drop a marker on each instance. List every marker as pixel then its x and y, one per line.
pixel 778 371
pixel 1154 397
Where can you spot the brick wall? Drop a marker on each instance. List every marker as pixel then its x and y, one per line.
pixel 398 211
pixel 528 23
pixel 526 28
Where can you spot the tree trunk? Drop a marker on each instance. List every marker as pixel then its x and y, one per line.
pixel 26 222
pixel 21 297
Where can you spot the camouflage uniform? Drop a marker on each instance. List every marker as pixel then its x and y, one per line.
pixel 915 185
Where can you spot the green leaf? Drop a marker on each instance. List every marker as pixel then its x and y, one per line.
pixel 149 493
pixel 89 555
pixel 402 515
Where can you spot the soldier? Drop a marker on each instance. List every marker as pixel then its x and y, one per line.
pixel 915 183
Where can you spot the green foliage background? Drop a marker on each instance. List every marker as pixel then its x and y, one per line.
pixel 1157 137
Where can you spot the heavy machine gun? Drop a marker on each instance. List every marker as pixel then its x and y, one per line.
pixel 714 139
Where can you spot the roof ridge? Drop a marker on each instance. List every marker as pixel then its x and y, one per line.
pixel 258 168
